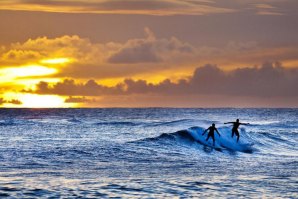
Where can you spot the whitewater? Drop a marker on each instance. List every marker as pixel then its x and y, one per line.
pixel 147 153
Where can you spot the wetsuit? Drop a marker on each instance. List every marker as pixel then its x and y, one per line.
pixel 211 133
pixel 235 130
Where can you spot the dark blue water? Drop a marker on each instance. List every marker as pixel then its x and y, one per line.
pixel 150 153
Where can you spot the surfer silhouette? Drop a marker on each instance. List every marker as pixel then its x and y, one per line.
pixel 235 128
pixel 211 130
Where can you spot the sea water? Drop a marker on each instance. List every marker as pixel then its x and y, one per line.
pixel 147 153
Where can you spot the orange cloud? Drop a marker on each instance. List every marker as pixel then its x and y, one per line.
pixel 76 57
pixel 86 59
pixel 145 7
pixel 45 48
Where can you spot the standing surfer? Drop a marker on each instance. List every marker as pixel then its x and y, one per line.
pixel 235 128
pixel 211 133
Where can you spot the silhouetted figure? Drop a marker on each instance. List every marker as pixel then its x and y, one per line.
pixel 235 128
pixel 211 133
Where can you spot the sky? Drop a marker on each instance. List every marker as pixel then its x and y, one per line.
pixel 148 53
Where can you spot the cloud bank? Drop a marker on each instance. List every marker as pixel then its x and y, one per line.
pixel 270 80
pixel 138 56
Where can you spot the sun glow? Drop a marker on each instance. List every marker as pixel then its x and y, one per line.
pixel 26 71
pixel 56 61
pixel 42 101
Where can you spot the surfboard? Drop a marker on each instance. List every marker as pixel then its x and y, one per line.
pixel 217 148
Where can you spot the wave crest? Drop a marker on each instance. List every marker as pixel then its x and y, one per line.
pixel 194 135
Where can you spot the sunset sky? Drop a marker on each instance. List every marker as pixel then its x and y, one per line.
pixel 148 53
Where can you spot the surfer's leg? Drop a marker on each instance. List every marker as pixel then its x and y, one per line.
pixel 233 131
pixel 238 135
pixel 213 140
pixel 208 137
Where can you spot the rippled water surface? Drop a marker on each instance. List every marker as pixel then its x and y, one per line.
pixel 150 153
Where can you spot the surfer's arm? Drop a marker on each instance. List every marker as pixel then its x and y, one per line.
pixel 229 123
pixel 205 131
pixel 217 132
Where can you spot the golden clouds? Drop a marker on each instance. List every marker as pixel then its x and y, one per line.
pixel 14 56
pixel 144 7
pixel 65 71
pixel 23 65
pixel 22 77
pixel 73 56
pixel 43 48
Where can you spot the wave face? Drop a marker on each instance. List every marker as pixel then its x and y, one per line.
pixel 154 152
pixel 224 142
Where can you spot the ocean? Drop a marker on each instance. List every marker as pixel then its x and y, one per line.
pixel 147 153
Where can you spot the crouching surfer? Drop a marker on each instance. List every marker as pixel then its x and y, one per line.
pixel 211 130
pixel 235 128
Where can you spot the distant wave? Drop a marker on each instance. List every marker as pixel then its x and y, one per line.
pixel 145 124
pixel 183 134
pixel 169 123
pixel 119 123
pixel 7 123
pixel 74 120
pixel 14 122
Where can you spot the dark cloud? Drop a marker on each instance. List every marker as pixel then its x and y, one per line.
pixel 269 80
pixel 150 49
pixel 2 101
pixel 142 53
pixel 71 99
pixel 69 88
pixel 12 101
